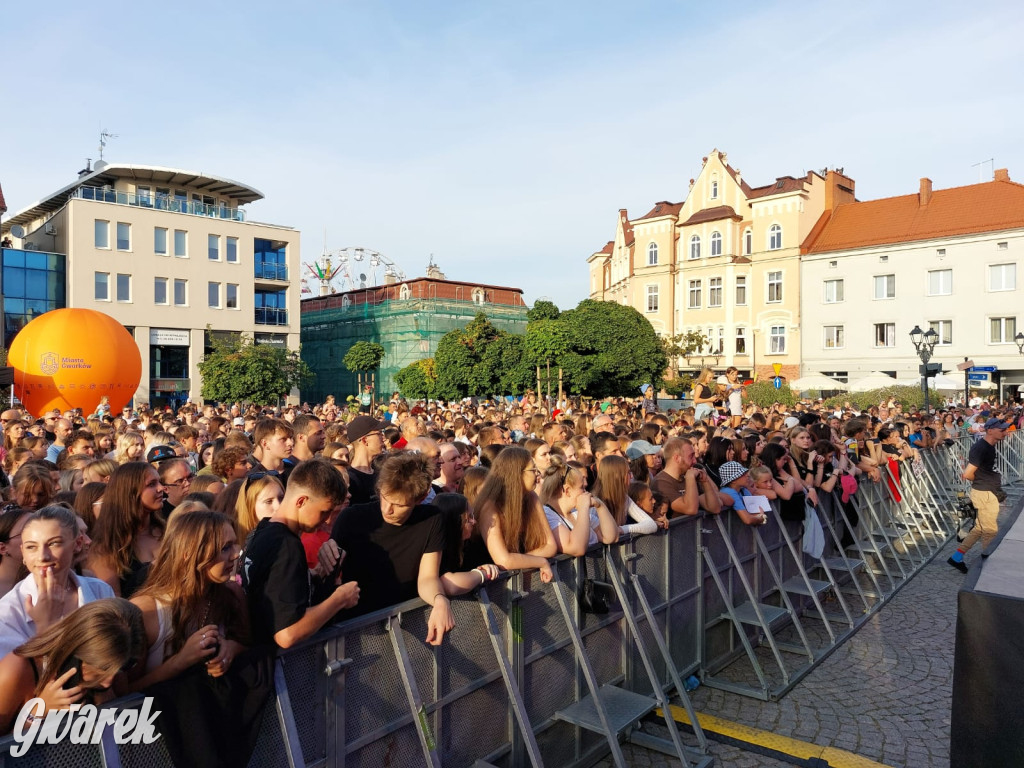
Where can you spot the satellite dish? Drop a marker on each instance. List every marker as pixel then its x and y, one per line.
pixel 18 231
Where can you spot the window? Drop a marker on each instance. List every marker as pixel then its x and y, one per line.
pixel 741 290
pixel 774 287
pixel 885 286
pixel 741 340
pixel 652 298
pixel 777 340
pixel 102 283
pixel 160 290
pixel 232 250
pixel 721 342
pixel 160 241
pixel 774 237
pixel 1002 330
pixel 694 295
pixel 180 293
pixel 945 330
pixel 716 244
pixel 124 237
pixel 213 245
pixel 834 291
pixel 124 287
pixel 652 254
pixel 714 188
pixel 885 334
pixel 478 295
pixel 834 337
pixel 715 292
pixel 271 307
pixel 1002 277
pixel 231 301
pixel 695 247
pixel 940 282
pixel 181 243
pixel 404 293
pixel 213 290
pixel 1002 246
pixel 270 260
pixel 101 234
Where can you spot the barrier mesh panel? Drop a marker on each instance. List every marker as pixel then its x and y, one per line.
pixel 467 654
pixel 63 755
pixel 400 748
pixel 475 725
pixel 374 694
pixel 269 751
pixel 303 673
pixel 604 650
pixel 549 684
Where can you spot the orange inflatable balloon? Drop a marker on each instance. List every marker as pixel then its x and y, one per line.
pixel 71 358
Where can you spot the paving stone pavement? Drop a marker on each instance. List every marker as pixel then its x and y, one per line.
pixel 884 694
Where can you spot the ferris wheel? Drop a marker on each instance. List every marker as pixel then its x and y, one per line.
pixel 348 269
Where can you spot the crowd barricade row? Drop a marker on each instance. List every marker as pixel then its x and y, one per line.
pixel 742 607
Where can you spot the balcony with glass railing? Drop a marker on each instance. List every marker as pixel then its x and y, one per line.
pixel 271 316
pixel 270 270
pixel 159 203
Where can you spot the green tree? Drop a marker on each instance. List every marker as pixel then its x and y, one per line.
pixel 364 356
pixel 418 380
pixel 683 345
pixel 469 361
pixel 542 310
pixel 613 349
pixel 764 394
pixel 240 370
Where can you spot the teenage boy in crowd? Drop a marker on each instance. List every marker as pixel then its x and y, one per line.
pixel 272 443
pixel 366 442
pixel 392 547
pixel 275 576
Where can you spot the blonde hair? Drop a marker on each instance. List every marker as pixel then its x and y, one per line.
pixel 557 476
pixel 125 440
pixel 756 473
pixel 245 505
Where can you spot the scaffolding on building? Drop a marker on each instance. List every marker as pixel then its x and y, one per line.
pixel 408 329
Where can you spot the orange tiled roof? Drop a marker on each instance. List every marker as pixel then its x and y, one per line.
pixel 988 207
pixel 713 214
pixel 780 186
pixel 663 208
pixel 608 247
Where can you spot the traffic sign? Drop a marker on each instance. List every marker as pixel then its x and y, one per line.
pixel 777 382
pixel 966 365
pixel 984 369
pixel 977 377
pixel 778 369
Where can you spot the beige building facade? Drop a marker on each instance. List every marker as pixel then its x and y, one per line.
pixel 725 262
pixel 168 253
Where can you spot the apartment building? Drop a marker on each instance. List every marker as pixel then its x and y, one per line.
pixel 944 259
pixel 169 253
pixel 725 262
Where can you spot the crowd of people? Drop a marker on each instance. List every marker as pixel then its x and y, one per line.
pixel 174 552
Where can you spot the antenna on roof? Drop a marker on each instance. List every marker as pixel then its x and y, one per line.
pixel 104 135
pixel 980 166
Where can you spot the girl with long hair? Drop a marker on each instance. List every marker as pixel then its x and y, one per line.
pixel 612 487
pixel 539 451
pixel 13 434
pixel 128 532
pixel 130 447
pixel 808 465
pixel 577 519
pixel 259 498
pixel 458 522
pixel 32 486
pixel 511 519
pixel 785 485
pixel 94 643
pixel 703 395
pixel 50 540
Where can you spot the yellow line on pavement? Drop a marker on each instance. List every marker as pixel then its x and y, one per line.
pixel 836 758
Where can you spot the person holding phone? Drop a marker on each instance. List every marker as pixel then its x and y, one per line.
pixel 73 661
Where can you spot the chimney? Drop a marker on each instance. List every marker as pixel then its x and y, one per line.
pixel 926 192
pixel 839 189
pixel 1001 174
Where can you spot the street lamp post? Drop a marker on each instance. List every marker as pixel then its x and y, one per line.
pixel 924 343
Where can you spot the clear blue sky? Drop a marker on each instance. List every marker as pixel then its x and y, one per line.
pixel 504 137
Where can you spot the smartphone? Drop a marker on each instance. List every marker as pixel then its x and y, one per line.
pixel 336 572
pixel 75 663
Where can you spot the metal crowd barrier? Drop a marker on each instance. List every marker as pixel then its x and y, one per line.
pixel 526 678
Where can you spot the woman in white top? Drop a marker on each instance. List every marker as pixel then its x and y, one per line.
pixel 52 590
pixel 612 487
pixel 566 504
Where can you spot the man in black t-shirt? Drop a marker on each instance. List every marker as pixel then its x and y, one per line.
pixel 275 576
pixel 986 490
pixel 366 442
pixel 392 547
